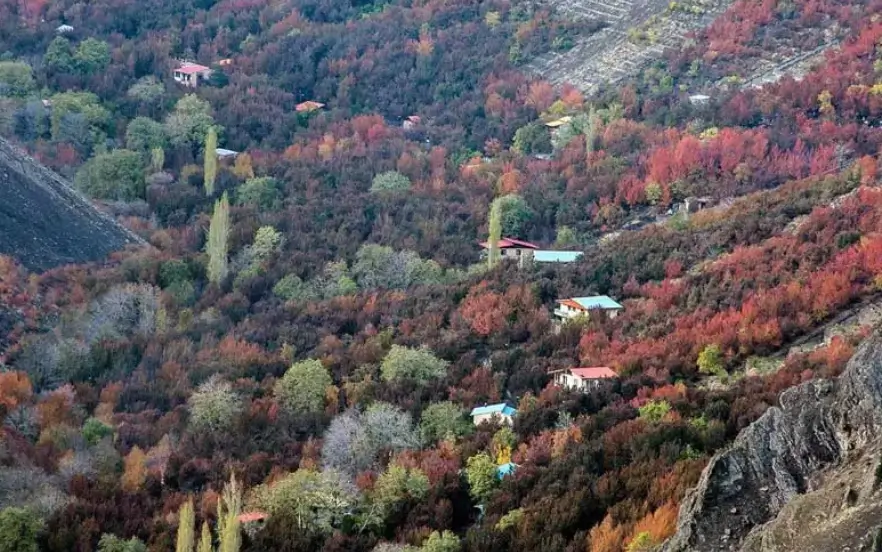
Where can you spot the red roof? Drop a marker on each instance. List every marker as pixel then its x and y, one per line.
pixel 192 68
pixel 248 517
pixel 511 242
pixel 309 105
pixel 594 373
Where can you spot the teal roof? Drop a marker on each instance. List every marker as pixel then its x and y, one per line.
pixel 545 256
pixel 597 302
pixel 505 469
pixel 500 408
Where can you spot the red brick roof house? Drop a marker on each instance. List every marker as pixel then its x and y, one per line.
pixel 583 379
pixel 308 106
pixel 189 74
pixel 511 248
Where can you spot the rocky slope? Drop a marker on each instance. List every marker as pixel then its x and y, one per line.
pixel 44 222
pixel 805 476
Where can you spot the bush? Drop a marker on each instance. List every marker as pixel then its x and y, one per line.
pixel 390 181
pixel 303 387
pixel 262 192
pixel 404 363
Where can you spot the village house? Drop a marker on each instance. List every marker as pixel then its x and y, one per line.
pixel 583 379
pixel 189 74
pixel 224 154
pixel 548 256
pixel 502 411
pixel 64 29
pixel 411 122
pixel 557 123
pixel 510 248
pixel 582 306
pixel 308 106
pixel 503 470
pixel 699 99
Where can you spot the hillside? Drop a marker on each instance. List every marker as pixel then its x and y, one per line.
pixel 45 223
pixel 306 358
pixel 805 476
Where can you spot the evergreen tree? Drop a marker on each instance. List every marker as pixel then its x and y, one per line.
pixel 210 171
pixel 186 524
pixel 218 238
pixel 495 232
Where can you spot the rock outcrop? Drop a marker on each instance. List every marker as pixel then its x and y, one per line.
pixel 804 473
pixel 45 223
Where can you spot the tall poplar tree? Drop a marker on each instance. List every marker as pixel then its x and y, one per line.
pixel 205 539
pixel 229 507
pixel 495 232
pixel 218 238
pixel 186 528
pixel 210 170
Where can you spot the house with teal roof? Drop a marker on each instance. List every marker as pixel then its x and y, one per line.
pixel 502 411
pixel 583 306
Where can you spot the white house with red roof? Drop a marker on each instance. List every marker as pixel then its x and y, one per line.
pixel 583 379
pixel 510 248
pixel 189 74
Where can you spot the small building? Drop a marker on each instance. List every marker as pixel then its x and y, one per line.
pixel 505 469
pixel 699 99
pixel 547 256
pixel 309 106
pixel 510 248
pixel 189 74
pixel 693 204
pixel 582 306
pixel 225 154
pixel 557 123
pixel 64 29
pixel 226 62
pixel 411 122
pixel 501 411
pixel 583 379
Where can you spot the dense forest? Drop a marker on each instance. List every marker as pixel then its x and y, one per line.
pixel 291 364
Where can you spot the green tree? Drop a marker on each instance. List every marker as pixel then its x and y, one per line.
pixel 309 500
pixel 214 406
pixel 445 541
pixel 566 237
pixel 218 241
pixel 512 519
pixel 302 389
pixel 92 55
pixel 405 363
pixel 147 90
pixel 390 181
pixel 654 411
pixel 442 420
pixel 143 135
pixel 157 160
pixel 334 281
pixel 710 360
pixel 205 544
pixel 495 232
pixel 229 507
pixel 94 430
pixel 481 476
pixel 19 529
pixel 82 103
pixel 515 214
pixel 210 159
pixel 117 175
pixel 187 126
pixel 16 79
pixel 186 537
pixel 291 288
pixel 112 543
pixel 58 55
pixel 262 192
pixel 398 484
pixel 531 139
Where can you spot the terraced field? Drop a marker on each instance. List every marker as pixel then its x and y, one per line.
pixel 638 31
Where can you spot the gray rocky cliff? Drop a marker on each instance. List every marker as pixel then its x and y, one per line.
pixel 790 452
